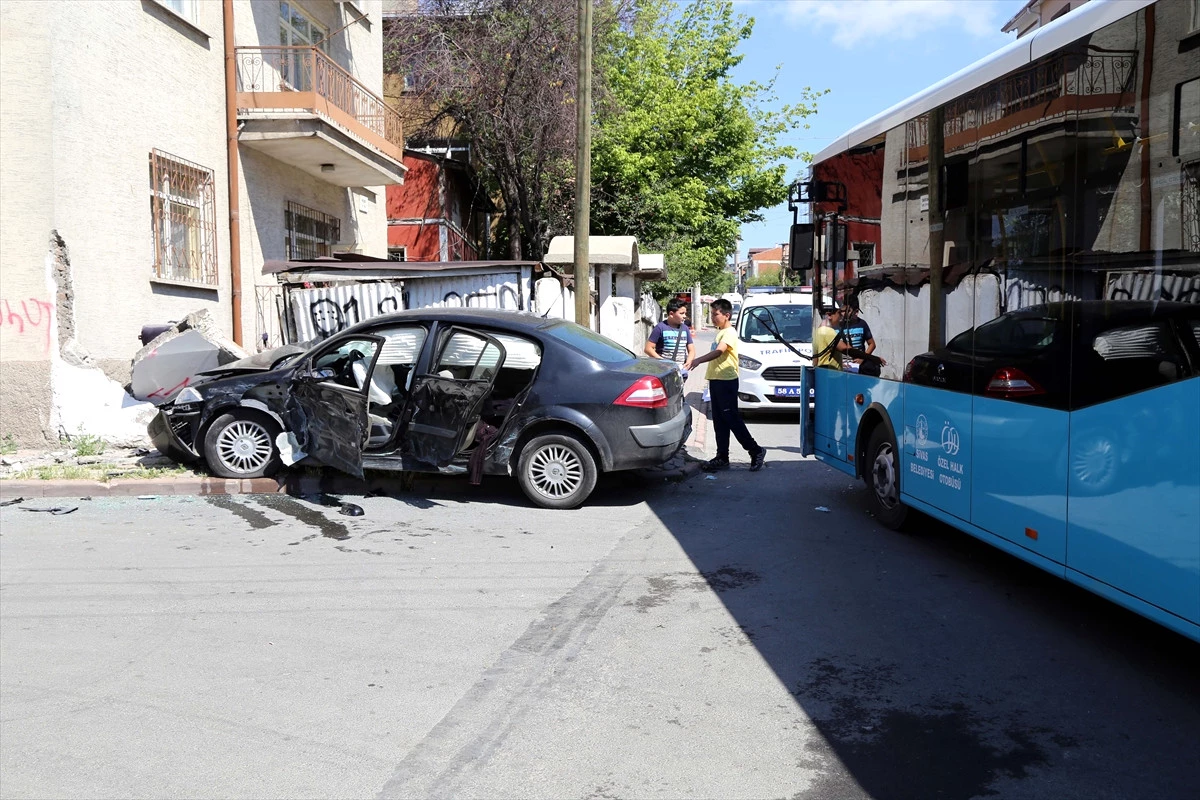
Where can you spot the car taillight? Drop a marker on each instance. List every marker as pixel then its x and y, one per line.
pixel 1009 382
pixel 647 392
pixel 908 371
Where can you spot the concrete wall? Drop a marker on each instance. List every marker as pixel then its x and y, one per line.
pixel 89 89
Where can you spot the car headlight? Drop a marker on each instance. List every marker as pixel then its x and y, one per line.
pixel 187 396
pixel 748 363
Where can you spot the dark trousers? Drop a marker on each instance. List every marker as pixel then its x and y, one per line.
pixel 726 417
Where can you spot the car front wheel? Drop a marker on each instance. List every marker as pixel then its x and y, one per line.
pixel 241 444
pixel 556 471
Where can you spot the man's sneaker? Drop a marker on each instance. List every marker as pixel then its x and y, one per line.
pixel 715 464
pixel 756 460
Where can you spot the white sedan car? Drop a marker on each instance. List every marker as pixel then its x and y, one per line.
pixel 769 374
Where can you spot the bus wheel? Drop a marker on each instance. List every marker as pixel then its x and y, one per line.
pixel 883 479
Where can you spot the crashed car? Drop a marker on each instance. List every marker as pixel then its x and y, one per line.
pixel 438 390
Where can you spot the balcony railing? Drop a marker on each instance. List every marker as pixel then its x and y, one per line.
pixel 1065 85
pixel 284 73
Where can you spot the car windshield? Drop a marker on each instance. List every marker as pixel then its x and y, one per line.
pixel 590 343
pixel 794 323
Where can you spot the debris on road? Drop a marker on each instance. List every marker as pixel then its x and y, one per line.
pixel 13 502
pixel 56 510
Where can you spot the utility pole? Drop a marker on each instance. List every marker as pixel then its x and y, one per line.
pixel 583 169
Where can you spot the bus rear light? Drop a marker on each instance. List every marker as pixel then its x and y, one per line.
pixel 647 392
pixel 1010 382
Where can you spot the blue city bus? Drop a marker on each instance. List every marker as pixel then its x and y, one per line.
pixel 1023 239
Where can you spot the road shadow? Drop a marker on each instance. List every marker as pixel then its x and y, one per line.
pixel 933 665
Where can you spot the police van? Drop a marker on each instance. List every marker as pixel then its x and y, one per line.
pixel 769 373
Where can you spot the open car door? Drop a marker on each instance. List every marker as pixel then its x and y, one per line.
pixel 445 403
pixel 327 408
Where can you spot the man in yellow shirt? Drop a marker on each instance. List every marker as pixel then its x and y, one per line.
pixel 827 347
pixel 722 376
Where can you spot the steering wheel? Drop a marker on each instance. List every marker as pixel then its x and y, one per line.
pixel 345 369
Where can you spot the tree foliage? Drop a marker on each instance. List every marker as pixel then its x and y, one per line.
pixel 502 75
pixel 683 153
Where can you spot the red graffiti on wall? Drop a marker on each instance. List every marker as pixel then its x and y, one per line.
pixel 34 314
pixel 164 393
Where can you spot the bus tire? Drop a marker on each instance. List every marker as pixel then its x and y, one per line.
pixel 882 476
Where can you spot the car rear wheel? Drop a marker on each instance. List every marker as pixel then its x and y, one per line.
pixel 556 471
pixel 883 479
pixel 241 444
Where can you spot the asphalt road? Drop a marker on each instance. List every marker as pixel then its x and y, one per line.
pixel 712 638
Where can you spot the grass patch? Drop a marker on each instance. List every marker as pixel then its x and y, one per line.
pixel 8 445
pixel 98 472
pixel 87 444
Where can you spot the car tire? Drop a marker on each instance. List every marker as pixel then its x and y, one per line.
pixel 882 476
pixel 556 471
pixel 241 444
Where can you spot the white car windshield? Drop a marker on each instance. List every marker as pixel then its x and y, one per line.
pixel 794 323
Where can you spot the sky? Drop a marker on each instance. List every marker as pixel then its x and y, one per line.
pixel 870 54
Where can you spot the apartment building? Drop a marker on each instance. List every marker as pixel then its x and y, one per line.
pixel 127 129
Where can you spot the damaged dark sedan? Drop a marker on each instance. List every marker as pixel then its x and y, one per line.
pixel 438 390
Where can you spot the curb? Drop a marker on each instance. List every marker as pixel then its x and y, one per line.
pixel 297 484
pixel 157 486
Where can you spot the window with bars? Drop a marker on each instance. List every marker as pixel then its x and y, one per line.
pixel 310 234
pixel 398 253
pixel 183 218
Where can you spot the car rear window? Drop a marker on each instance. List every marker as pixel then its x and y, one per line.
pixel 1008 335
pixel 590 343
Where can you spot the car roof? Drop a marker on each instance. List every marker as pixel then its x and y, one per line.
pixel 789 299
pixel 489 317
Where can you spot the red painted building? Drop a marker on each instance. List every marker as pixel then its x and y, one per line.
pixel 439 213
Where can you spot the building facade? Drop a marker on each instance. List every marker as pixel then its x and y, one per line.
pixel 115 181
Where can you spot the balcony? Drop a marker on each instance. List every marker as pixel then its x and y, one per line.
pixel 298 106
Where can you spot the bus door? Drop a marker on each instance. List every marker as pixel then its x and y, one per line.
pixel 832 424
pixel 1134 456
pixel 1021 363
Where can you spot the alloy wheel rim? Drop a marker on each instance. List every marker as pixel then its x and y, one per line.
pixel 244 446
pixel 884 470
pixel 1095 464
pixel 556 471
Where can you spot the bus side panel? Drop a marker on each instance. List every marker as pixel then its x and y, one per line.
pixel 1134 485
pixel 936 461
pixel 1020 475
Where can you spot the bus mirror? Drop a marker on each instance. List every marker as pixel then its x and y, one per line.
pixel 800 250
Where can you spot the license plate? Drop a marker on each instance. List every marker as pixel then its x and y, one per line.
pixel 788 391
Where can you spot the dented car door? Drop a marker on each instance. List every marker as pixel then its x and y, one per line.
pixel 327 407
pixel 446 402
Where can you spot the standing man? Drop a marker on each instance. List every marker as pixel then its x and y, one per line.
pixel 671 339
pixel 722 377
pixel 858 333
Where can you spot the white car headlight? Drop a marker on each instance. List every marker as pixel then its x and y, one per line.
pixel 746 362
pixel 188 395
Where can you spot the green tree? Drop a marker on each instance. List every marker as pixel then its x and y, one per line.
pixel 500 74
pixel 683 154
